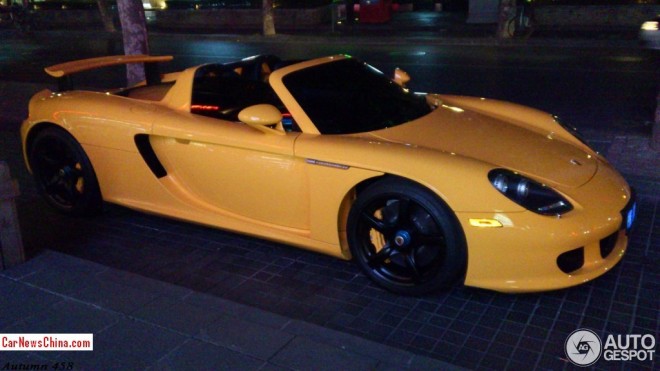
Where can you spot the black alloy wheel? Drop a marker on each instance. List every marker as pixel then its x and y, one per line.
pixel 63 173
pixel 405 238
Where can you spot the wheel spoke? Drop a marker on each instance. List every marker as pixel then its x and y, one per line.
pixel 54 188
pixel 377 259
pixel 71 192
pixel 412 266
pixel 403 215
pixel 50 160
pixel 53 181
pixel 375 223
pixel 47 160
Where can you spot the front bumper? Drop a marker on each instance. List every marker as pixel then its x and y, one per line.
pixel 539 253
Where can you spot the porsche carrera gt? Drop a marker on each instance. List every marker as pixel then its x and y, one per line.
pixel 422 190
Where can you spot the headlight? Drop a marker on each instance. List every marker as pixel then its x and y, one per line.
pixel 529 194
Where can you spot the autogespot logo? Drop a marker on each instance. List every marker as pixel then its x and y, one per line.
pixel 583 347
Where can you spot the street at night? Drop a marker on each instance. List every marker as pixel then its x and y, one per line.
pixel 586 85
pixel 214 294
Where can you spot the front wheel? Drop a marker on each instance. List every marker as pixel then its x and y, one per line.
pixel 63 173
pixel 405 238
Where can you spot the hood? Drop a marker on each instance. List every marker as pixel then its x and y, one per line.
pixel 503 144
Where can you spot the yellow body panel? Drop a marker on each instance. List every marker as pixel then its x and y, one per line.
pixel 216 160
pixel 297 187
pixel 69 68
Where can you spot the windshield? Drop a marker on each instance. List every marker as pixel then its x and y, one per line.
pixel 349 96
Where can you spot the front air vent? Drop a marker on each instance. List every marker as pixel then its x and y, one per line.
pixel 608 243
pixel 571 261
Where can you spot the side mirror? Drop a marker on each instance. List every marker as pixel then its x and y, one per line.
pixel 262 117
pixel 401 77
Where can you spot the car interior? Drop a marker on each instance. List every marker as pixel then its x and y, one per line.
pixel 223 90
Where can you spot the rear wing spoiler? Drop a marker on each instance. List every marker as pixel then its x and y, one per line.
pixel 62 72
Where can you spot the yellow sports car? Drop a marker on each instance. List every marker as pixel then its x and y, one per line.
pixel 421 190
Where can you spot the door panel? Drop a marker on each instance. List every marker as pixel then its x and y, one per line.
pixel 235 168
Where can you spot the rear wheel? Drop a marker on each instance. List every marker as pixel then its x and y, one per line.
pixel 64 174
pixel 405 238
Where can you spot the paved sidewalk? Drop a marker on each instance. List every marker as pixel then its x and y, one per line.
pixel 141 323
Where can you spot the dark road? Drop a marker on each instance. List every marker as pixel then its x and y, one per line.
pixel 586 86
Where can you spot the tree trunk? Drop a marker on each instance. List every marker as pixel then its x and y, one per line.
pixel 655 136
pixel 269 19
pixel 507 9
pixel 134 32
pixel 106 16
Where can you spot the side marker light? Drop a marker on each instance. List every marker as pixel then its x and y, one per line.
pixel 485 223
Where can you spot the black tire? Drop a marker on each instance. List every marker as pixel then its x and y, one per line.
pixel 405 238
pixel 64 174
